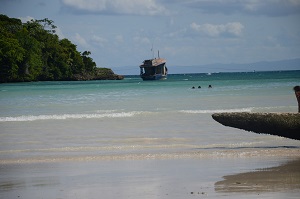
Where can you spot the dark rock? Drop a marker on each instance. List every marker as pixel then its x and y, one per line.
pixel 98 74
pixel 281 124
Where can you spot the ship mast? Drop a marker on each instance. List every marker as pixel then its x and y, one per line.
pixel 152 51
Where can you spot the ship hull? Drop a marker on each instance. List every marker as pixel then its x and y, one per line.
pixel 154 77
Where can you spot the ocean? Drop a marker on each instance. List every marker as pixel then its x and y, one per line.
pixel 116 129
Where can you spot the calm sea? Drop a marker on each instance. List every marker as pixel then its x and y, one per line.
pixel 135 119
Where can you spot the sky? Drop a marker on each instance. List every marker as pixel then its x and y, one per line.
pixel 189 34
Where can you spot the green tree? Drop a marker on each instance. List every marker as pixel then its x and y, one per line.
pixel 11 52
pixel 31 66
pixel 47 25
pixel 73 57
pixel 32 51
pixel 11 55
pixel 89 64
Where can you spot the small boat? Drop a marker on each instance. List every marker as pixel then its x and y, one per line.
pixel 154 69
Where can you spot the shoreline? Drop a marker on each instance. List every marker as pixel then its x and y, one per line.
pixel 251 152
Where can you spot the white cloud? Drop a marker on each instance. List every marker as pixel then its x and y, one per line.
pixel 177 33
pixel 78 39
pixel 135 7
pixel 59 33
pixel 142 40
pixel 119 39
pixel 98 40
pixel 254 7
pixel 212 30
pixel 25 19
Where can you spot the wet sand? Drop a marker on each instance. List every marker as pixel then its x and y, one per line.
pixel 154 178
pixel 283 178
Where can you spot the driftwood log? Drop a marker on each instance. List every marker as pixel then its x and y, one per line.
pixel 281 124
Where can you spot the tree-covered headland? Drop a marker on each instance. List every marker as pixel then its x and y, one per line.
pixel 32 51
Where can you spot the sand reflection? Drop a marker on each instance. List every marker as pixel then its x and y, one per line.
pixel 282 178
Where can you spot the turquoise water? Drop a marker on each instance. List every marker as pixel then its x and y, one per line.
pixel 133 117
pixel 31 101
pixel 139 139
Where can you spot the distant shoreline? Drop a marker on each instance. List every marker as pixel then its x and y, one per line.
pixel 100 74
pixel 223 72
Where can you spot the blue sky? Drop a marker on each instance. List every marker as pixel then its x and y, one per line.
pixel 120 33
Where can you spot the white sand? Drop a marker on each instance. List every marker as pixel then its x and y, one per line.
pixel 147 178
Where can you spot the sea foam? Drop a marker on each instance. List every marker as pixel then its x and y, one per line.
pixel 25 118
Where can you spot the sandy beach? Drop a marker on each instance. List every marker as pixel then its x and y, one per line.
pixel 229 176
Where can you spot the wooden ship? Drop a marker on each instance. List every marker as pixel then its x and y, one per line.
pixel 154 69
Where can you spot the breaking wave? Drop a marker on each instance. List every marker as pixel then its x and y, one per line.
pixel 25 118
